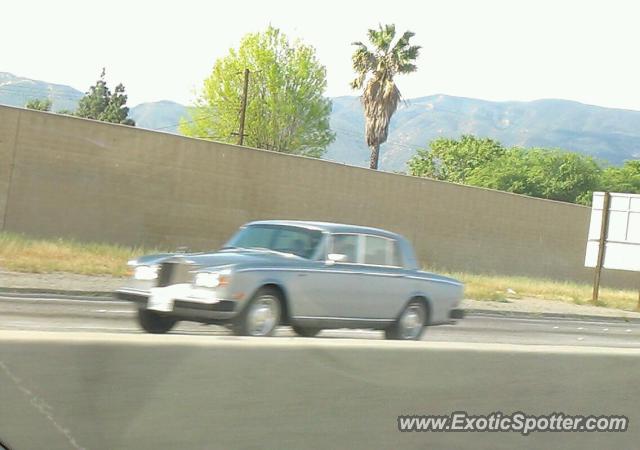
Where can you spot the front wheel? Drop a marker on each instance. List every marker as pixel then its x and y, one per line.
pixel 410 325
pixel 153 322
pixel 306 331
pixel 262 316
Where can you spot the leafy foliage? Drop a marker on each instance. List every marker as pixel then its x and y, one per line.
pixel 39 104
pixel 544 173
pixel 375 71
pixel 622 179
pixel 454 160
pixel 286 107
pixel 101 104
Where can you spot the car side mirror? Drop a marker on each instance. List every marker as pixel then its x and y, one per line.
pixel 333 258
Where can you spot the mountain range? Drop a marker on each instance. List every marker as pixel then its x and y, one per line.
pixel 612 135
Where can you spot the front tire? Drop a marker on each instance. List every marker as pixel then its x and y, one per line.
pixel 262 315
pixel 411 323
pixel 153 322
pixel 306 331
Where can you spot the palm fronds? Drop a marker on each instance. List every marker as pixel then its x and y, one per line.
pixel 375 70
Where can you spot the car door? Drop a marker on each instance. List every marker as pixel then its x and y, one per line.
pixel 384 288
pixel 327 289
pixel 366 284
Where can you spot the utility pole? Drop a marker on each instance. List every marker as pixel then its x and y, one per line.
pixel 243 108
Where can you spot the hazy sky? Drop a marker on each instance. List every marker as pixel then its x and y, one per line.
pixel 490 49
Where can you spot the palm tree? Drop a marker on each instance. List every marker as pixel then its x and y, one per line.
pixel 377 67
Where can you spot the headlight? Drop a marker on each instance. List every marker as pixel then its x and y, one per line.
pixel 211 279
pixel 145 273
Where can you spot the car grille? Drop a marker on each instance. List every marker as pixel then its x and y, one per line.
pixel 174 273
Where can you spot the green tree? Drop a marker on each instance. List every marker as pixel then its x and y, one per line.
pixel 39 104
pixel 286 108
pixel 622 179
pixel 102 104
pixel 375 71
pixel 544 173
pixel 454 159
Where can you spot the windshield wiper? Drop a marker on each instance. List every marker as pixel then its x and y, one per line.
pixel 231 247
pixel 259 249
pixel 264 249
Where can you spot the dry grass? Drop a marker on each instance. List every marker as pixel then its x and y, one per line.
pixel 499 288
pixel 21 254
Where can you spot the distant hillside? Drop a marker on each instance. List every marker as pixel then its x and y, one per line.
pixel 609 134
pixel 16 91
pixel 164 115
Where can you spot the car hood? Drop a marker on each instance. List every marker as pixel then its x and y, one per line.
pixel 219 258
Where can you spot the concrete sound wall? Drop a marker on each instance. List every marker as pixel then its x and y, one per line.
pixel 67 177
pixel 8 130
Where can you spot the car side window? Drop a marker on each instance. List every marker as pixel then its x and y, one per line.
pixel 376 250
pixel 396 257
pixel 346 244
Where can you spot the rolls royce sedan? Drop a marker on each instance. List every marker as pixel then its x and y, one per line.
pixel 309 275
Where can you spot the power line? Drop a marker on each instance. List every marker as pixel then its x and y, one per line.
pixel 199 119
pixel 243 109
pixel 388 141
pixel 36 93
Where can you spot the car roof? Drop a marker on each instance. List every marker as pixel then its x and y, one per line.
pixel 329 227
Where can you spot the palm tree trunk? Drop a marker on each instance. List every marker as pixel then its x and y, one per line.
pixel 375 152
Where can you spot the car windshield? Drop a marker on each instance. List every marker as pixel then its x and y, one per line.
pixel 279 238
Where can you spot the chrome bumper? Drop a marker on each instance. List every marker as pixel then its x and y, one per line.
pixel 184 308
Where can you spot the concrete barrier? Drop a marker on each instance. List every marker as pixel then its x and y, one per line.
pixel 67 177
pixel 107 391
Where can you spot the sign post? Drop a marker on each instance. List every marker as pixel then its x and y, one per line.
pixel 604 228
pixel 638 305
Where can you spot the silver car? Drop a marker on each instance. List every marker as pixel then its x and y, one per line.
pixel 309 275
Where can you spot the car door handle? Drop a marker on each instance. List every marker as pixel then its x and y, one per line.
pixel 302 274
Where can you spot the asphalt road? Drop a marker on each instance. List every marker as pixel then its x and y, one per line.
pixel 62 390
pixel 42 314
pixel 81 375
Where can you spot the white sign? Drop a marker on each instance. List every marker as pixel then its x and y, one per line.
pixel 622 247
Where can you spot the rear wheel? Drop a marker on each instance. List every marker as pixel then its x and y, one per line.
pixel 410 325
pixel 262 316
pixel 153 322
pixel 306 331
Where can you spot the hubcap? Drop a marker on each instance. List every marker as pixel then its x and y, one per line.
pixel 412 321
pixel 263 316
